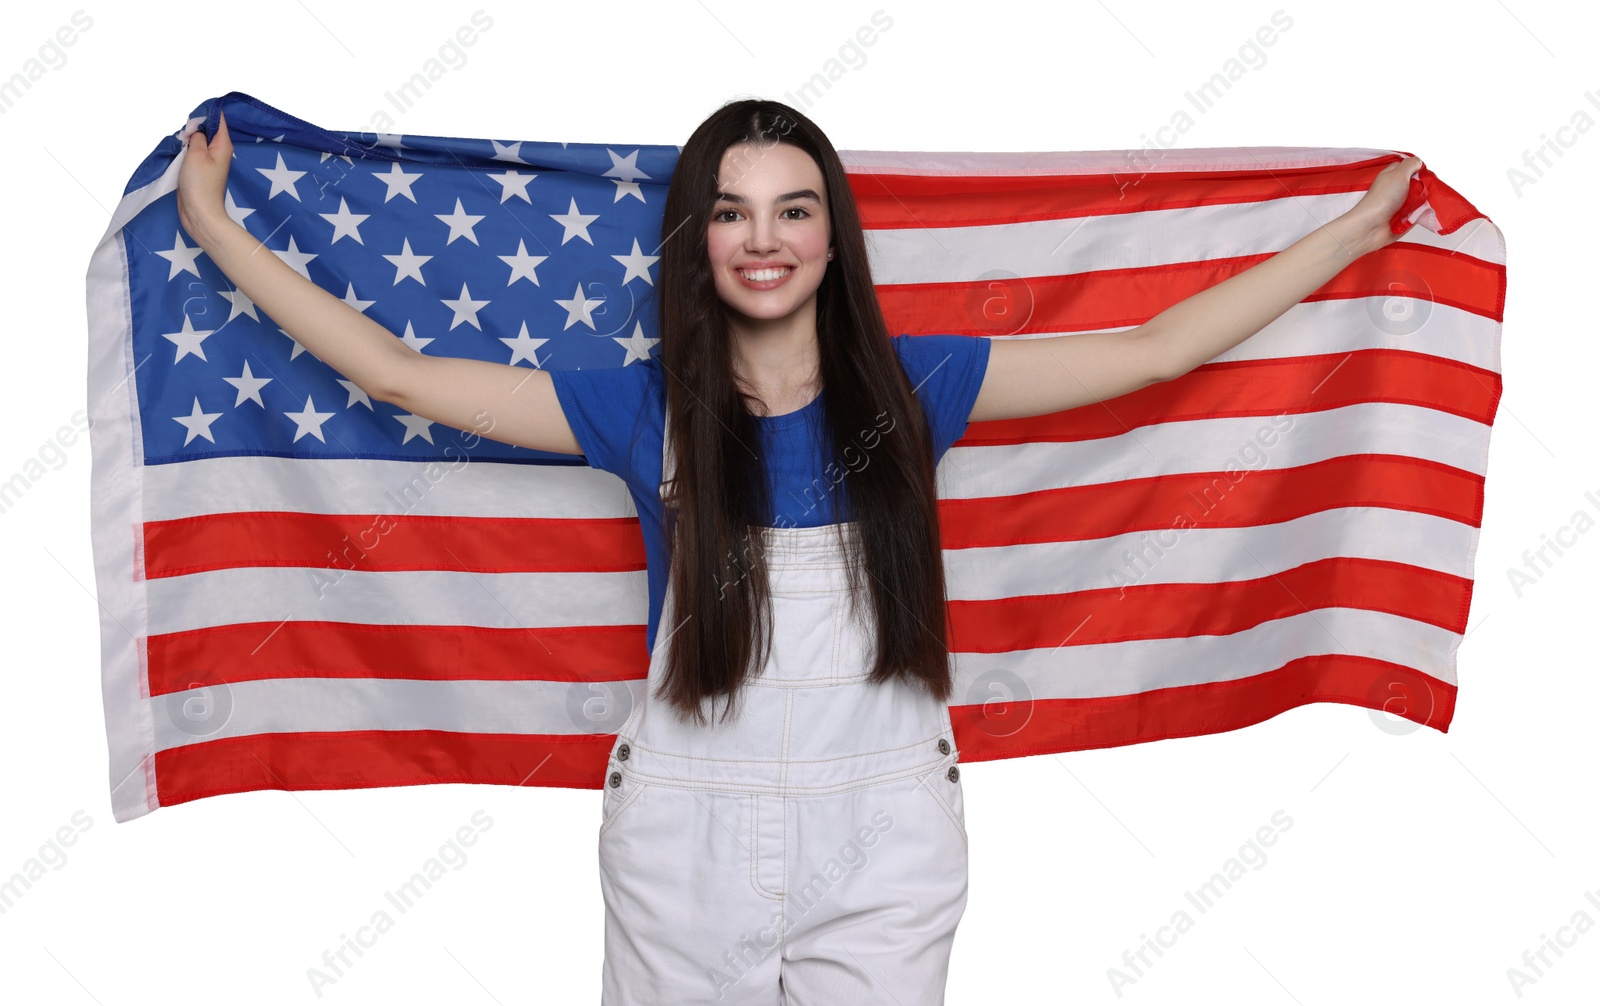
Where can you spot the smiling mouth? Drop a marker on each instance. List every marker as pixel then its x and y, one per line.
pixel 765 275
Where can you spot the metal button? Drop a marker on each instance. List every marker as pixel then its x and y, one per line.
pixel 622 753
pixel 953 774
pixel 616 779
pixel 944 746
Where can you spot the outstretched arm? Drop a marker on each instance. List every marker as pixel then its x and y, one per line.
pixel 1032 377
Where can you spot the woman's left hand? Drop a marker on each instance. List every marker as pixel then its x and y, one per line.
pixel 1383 200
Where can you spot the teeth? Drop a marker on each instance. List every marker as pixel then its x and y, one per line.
pixel 761 275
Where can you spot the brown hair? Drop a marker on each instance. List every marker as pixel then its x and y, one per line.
pixel 718 576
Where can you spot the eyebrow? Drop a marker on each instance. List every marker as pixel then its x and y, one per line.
pixel 796 194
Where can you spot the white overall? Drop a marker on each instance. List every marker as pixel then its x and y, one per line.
pixel 811 849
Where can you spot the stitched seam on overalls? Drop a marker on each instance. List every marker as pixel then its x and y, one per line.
pixel 788 791
pixel 755 850
pixel 627 801
pixel 788 708
pixel 944 805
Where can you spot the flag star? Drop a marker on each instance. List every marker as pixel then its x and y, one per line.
pixel 514 183
pixel 579 308
pixel 298 349
pixel 398 180
pixel 391 140
pixel 627 189
pixel 188 341
pixel 345 223
pixel 408 264
pixel 235 212
pixel 638 264
pixel 239 304
pixel 411 339
pixel 507 152
pixel 466 309
pixel 416 426
pixel 522 264
pixel 328 153
pixel 356 394
pixel 249 386
pixel 295 259
pixel 637 345
pixel 522 347
pixel 197 423
pixel 350 298
pixel 309 420
pixel 625 168
pixel 282 179
pixel 181 257
pixel 461 223
pixel 573 223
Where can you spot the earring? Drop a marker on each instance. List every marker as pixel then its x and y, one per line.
pixel 830 253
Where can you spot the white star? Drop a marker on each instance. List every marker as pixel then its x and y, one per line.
pixel 294 258
pixel 638 264
pixel 627 189
pixel 522 347
pixel 188 341
pixel 249 386
pixel 573 223
pixel 309 420
pixel 625 168
pixel 508 152
pixel 344 223
pixel 579 308
pixel 411 339
pixel 637 345
pixel 328 153
pixel 298 349
pixel 356 394
pixel 522 264
pixel 514 183
pixel 416 426
pixel 408 263
pixel 198 423
pixel 398 180
pixel 282 179
pixel 391 140
pixel 181 257
pixel 350 298
pixel 461 223
pixel 466 309
pixel 239 304
pixel 235 212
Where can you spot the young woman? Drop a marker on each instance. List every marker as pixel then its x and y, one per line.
pixel 809 841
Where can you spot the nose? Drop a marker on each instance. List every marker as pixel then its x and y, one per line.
pixel 762 236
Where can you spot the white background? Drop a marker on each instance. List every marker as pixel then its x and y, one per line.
pixel 1419 866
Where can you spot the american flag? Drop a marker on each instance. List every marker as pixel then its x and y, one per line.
pixel 304 588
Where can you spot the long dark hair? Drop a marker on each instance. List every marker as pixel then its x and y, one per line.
pixel 718 498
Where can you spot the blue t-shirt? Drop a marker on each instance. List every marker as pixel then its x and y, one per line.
pixel 617 416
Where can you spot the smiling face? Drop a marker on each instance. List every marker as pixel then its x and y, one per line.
pixel 768 234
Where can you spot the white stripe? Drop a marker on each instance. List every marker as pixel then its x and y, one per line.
pixel 413 597
pixel 283 705
pixel 1216 445
pixel 1349 324
pixel 1100 670
pixel 1076 162
pixel 1187 554
pixel 363 486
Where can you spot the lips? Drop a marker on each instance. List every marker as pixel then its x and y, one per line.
pixel 765 278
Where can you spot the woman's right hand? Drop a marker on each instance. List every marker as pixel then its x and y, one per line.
pixel 202 180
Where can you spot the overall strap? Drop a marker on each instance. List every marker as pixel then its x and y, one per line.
pixel 668 468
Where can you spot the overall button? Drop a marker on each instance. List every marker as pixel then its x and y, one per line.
pixel 616 779
pixel 944 746
pixel 622 753
pixel 952 775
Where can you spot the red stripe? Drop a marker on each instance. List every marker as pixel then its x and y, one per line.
pixel 1293 385
pixel 256 651
pixel 360 759
pixel 1022 726
pixel 892 201
pixel 1115 614
pixel 336 543
pixel 1116 298
pixel 1212 499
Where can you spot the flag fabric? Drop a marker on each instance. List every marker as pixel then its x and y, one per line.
pixel 305 588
